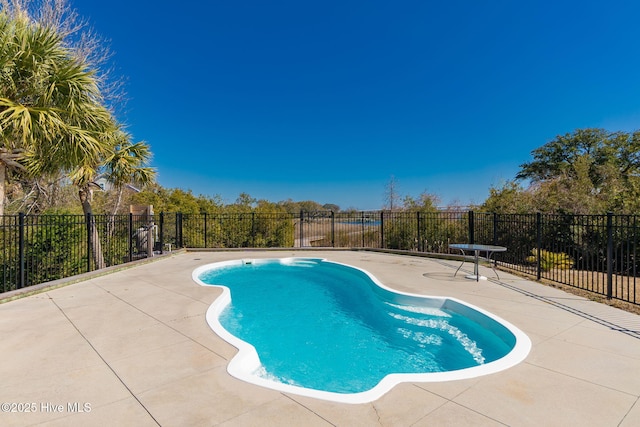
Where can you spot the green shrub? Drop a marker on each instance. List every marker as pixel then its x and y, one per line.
pixel 550 260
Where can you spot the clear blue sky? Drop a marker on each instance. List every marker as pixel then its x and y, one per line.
pixel 326 100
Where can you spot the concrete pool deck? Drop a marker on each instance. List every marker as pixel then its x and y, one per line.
pixel 133 348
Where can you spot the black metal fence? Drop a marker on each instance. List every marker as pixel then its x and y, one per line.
pixel 595 253
pixel 39 248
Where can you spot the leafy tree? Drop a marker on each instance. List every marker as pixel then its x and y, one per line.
pixel 209 204
pixel 558 156
pixel 331 207
pixel 245 202
pixel 167 200
pixel 304 205
pixel 289 205
pixel 310 206
pixel 426 202
pixel 510 198
pixel 587 171
pixel 272 226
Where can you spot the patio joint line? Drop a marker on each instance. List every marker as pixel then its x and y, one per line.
pixel 307 408
pixel 103 359
pixel 629 411
pixel 584 380
pixel 165 323
pixel 451 400
pixel 475 411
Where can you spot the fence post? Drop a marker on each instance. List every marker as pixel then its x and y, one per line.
pixel 176 226
pixel 205 230
pixel 538 245
pixel 495 228
pixel 253 229
pixel 419 235
pixel 161 226
pixel 89 222
pixel 609 255
pixel 179 229
pixel 635 240
pixel 130 236
pixel 333 229
pixel 382 229
pixel 21 265
pixel 362 226
pixel 301 231
pixel 471 228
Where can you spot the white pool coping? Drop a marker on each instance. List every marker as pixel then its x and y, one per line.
pixel 246 361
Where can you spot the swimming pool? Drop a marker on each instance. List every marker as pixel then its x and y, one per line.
pixel 331 331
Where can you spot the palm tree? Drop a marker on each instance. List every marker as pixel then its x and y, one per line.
pixel 51 115
pixel 123 163
pixel 126 166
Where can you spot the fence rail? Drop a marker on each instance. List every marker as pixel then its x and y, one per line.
pixel 596 253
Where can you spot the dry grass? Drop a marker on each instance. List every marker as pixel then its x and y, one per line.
pixel 318 232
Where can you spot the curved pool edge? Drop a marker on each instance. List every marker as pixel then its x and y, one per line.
pixel 246 361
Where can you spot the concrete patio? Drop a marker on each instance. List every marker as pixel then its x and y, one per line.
pixel 133 348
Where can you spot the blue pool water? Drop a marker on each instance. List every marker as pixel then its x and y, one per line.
pixel 324 326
